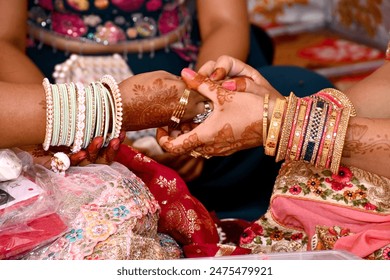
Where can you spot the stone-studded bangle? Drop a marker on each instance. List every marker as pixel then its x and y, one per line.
pixel 274 127
pixel 326 144
pixel 109 81
pixel 296 132
pixel 287 126
pixel 80 119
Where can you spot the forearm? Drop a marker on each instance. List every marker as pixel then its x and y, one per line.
pixel 224 29
pixel 22 114
pixel 367 145
pixel 371 96
pixel 16 67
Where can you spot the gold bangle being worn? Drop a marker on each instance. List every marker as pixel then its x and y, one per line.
pixel 274 128
pixel 287 126
pixel 265 117
pixel 328 139
pixel 296 134
pixel 180 109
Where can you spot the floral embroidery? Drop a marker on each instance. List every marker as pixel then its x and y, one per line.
pixel 120 211
pixel 351 188
pixel 74 234
pixel 328 186
pixel 386 253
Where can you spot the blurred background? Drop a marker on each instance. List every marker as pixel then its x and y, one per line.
pixel 344 40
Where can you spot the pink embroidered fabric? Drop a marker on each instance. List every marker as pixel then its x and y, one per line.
pixel 111 214
pixel 316 210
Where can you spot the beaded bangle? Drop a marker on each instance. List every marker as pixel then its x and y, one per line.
pixel 49 114
pixel 265 117
pixel 80 124
pixel 109 109
pixel 274 128
pixel 118 112
pixel 179 111
pixel 287 126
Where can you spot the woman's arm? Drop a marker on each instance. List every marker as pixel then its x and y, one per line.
pixel 149 100
pixel 371 96
pixel 367 145
pixel 15 66
pixel 224 27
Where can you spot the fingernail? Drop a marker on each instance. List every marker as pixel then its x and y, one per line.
pixel 115 146
pixel 99 145
pixel 188 73
pixel 230 85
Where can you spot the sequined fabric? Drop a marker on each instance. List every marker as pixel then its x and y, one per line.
pixel 108 21
pixel 316 210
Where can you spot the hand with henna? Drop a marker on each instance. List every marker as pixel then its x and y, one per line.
pixel 236 121
pixel 148 101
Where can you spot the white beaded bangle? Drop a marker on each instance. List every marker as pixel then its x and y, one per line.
pixel 49 114
pixel 114 89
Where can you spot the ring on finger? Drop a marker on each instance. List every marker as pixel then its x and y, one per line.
pixel 199 118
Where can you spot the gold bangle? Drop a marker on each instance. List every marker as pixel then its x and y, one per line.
pixel 340 138
pixel 298 129
pixel 328 138
pixel 274 128
pixel 287 126
pixel 388 51
pixel 265 117
pixel 180 109
pixel 341 99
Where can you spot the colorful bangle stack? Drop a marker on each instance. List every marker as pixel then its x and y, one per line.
pixel 75 113
pixel 310 129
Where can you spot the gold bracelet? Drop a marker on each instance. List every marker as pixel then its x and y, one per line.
pixel 297 134
pixel 286 128
pixel 340 138
pixel 265 117
pixel 180 109
pixel 275 125
pixel 328 138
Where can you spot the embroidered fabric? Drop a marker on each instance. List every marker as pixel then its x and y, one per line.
pixel 314 209
pixel 111 215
